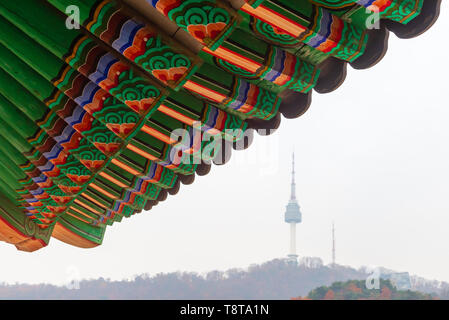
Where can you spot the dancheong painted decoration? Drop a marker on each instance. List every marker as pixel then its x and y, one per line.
pixel 107 107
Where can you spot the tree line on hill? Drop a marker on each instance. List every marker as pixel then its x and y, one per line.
pixel 357 290
pixel 276 279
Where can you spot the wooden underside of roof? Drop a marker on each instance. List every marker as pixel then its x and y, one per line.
pixel 86 115
pixel 65 235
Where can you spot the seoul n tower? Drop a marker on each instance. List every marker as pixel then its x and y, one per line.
pixel 293 215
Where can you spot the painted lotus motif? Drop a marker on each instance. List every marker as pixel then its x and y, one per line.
pixel 121 129
pixel 107 148
pixel 206 33
pixel 172 75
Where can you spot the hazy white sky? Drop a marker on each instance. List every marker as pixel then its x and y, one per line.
pixel 373 156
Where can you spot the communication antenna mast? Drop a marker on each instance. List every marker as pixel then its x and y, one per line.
pixel 333 244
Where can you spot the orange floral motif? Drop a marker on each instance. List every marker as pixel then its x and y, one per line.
pixel 93 164
pixel 48 215
pixel 279 31
pixel 140 106
pixel 78 179
pixel 56 210
pixel 122 130
pixel 70 190
pixel 107 148
pixel 170 76
pixel 61 200
pixel 206 33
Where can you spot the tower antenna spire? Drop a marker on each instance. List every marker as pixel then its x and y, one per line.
pixel 293 216
pixel 293 186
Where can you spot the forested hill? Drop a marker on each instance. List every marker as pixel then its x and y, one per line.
pixel 276 279
pixel 357 290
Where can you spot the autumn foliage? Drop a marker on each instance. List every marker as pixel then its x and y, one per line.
pixel 357 290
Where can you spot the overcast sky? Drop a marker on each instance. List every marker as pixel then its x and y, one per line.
pixel 373 156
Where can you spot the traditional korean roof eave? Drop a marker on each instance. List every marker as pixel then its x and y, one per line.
pixel 334 71
pixel 32 209
pixel 423 22
pixel 19 230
